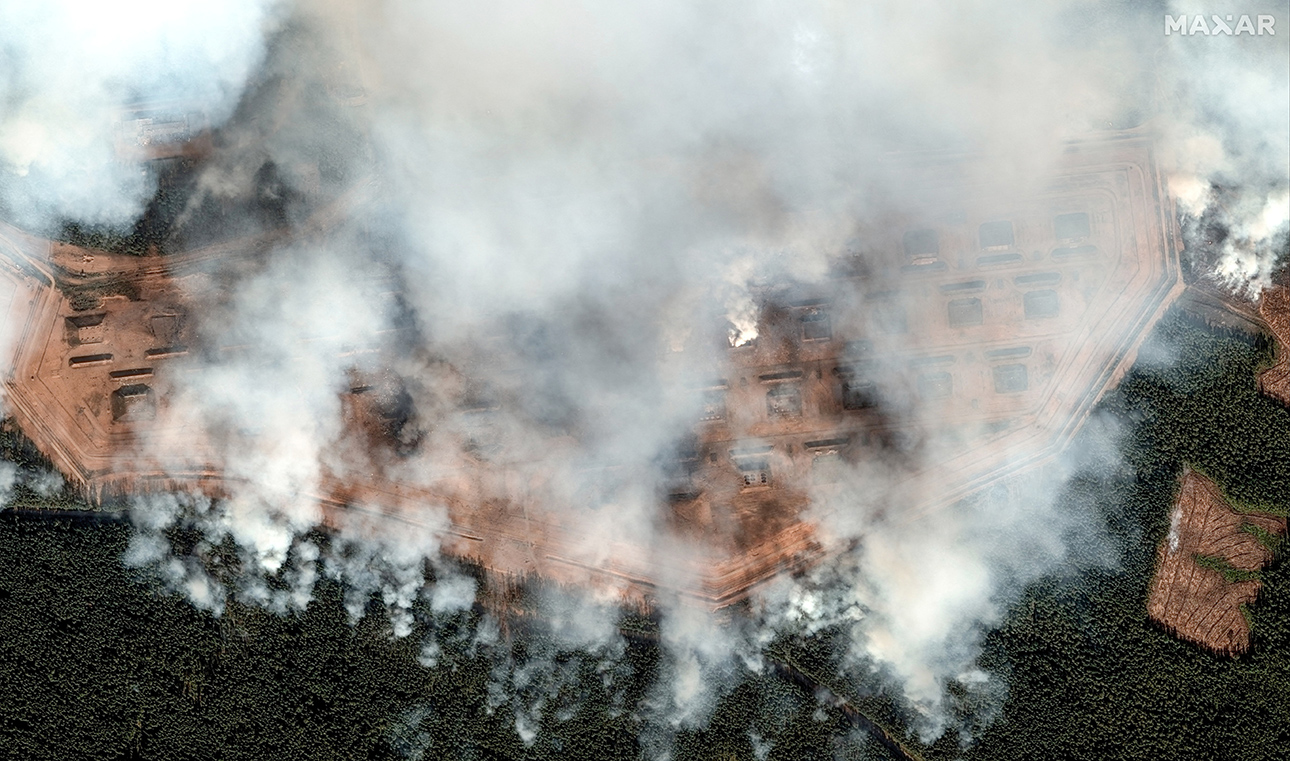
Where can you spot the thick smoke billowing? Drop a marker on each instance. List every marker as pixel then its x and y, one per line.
pixel 1227 140
pixel 8 477
pixel 559 198
pixel 71 69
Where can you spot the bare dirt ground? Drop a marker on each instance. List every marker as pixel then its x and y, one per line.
pixel 1275 311
pixel 1197 602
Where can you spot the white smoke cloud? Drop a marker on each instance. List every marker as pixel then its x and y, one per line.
pixel 1226 100
pixel 1250 255
pixel 38 482
pixel 919 593
pixel 8 477
pixel 72 67
pixel 564 189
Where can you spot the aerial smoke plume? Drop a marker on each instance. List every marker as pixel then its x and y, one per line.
pixel 71 69
pixel 542 208
pixel 1224 104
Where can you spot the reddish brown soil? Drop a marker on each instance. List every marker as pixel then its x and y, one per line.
pixel 1275 311
pixel 1197 603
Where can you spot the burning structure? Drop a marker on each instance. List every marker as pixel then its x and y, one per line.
pixel 1004 318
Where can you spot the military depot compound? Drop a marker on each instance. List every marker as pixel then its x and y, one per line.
pixel 1008 317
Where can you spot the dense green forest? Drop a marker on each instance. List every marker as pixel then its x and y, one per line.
pixel 1088 677
pixel 97 663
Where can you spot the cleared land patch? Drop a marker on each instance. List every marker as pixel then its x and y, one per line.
pixel 1275 311
pixel 1207 567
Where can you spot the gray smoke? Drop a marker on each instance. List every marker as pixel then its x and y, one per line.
pixel 544 207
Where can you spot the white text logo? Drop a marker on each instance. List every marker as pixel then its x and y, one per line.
pixel 1220 25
